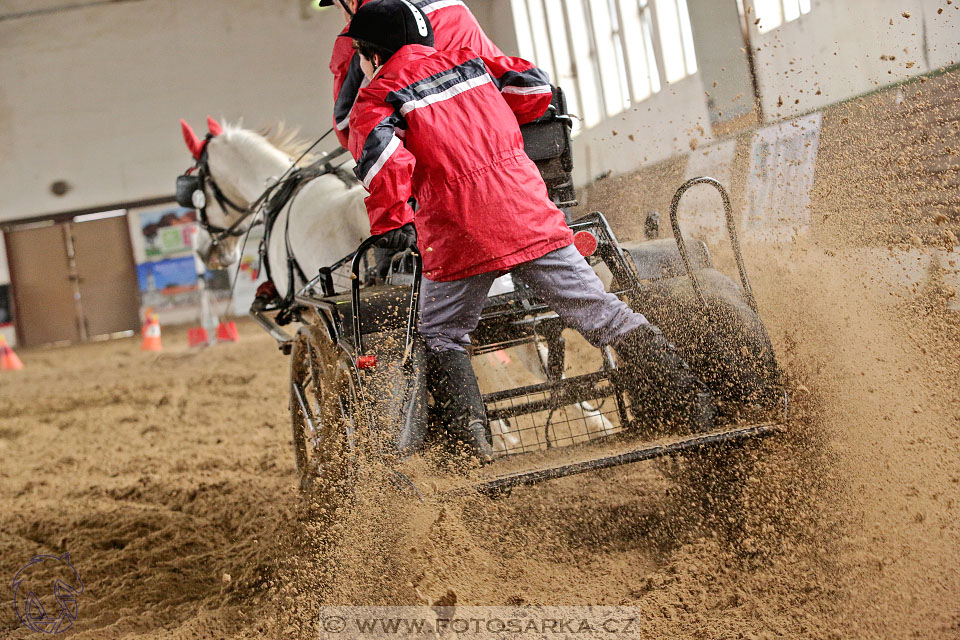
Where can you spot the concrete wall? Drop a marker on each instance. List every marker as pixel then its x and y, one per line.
pixel 846 48
pixel 667 123
pixel 496 16
pixel 93 95
pixel 722 58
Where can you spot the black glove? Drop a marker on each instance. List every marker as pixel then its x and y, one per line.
pixel 399 239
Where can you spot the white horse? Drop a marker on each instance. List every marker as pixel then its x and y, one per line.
pixel 327 220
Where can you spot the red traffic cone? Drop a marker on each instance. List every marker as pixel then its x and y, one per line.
pixel 151 333
pixel 197 337
pixel 227 332
pixel 8 359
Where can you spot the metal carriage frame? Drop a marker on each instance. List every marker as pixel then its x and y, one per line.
pixel 349 322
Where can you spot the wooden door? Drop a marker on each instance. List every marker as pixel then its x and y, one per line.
pixel 43 291
pixel 106 275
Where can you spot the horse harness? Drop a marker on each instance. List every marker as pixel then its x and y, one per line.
pixel 191 193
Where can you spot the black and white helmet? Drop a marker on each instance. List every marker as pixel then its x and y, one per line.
pixel 390 24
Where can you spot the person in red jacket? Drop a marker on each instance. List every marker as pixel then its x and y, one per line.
pixel 443 126
pixel 454 27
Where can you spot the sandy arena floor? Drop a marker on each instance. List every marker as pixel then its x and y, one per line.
pixel 169 479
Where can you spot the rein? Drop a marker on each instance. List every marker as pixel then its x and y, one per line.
pixel 285 194
pixel 271 202
pixel 197 183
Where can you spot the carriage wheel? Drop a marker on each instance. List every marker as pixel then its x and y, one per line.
pixel 323 404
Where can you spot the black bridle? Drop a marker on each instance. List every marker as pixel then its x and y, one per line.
pixel 192 193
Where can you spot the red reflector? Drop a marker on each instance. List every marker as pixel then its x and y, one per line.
pixel 585 242
pixel 366 362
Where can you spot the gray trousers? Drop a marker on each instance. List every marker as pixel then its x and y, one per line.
pixel 450 311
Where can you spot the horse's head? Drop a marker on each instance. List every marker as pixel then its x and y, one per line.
pixel 216 255
pixel 232 168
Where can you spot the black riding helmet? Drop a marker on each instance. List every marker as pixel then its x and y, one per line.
pixel 390 24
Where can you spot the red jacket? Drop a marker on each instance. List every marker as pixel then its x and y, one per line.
pixel 454 27
pixel 443 126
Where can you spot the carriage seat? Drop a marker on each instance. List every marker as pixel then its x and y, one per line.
pixel 547 142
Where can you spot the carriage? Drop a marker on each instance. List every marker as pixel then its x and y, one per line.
pixel 357 364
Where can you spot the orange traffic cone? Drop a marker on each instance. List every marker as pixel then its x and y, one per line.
pixel 151 333
pixel 197 337
pixel 227 332
pixel 8 359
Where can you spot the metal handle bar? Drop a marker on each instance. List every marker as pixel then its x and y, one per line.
pixel 731 230
pixel 556 116
pixel 355 293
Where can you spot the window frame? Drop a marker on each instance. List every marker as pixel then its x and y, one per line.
pixel 803 7
pixel 604 74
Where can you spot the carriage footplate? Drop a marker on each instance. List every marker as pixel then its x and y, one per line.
pixel 583 423
pixel 612 452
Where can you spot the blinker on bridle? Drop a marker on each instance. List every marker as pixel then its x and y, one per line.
pixel 191 193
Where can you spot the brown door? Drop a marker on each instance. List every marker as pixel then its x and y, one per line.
pixel 43 292
pixel 107 277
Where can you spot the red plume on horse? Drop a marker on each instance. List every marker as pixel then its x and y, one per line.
pixel 194 143
pixel 213 127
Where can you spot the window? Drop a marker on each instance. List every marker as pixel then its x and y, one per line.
pixel 676 39
pixel 773 13
pixel 585 70
pixel 637 37
pixel 606 54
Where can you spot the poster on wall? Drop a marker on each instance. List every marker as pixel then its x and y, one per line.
pixel 782 163
pixel 163 239
pixel 169 283
pixel 167 232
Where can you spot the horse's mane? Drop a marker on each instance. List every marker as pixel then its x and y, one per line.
pixel 281 137
pixel 288 140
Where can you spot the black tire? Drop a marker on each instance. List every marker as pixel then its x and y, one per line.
pixel 325 455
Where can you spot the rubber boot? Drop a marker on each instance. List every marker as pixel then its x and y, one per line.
pixel 671 394
pixel 456 393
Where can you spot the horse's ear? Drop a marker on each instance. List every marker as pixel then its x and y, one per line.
pixel 213 126
pixel 193 142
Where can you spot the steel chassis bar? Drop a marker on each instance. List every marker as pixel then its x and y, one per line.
pixel 731 231
pixel 299 449
pixel 559 393
pixel 524 478
pixel 271 327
